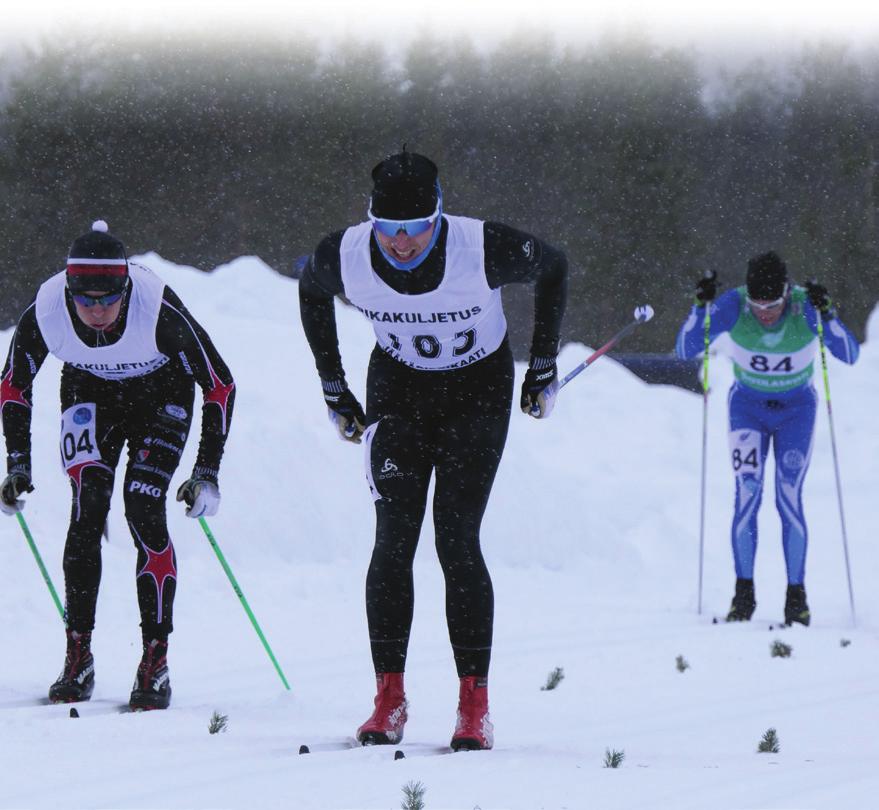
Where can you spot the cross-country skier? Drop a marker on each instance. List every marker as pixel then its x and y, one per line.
pixel 773 327
pixel 131 354
pixel 438 398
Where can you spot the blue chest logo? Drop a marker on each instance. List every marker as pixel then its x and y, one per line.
pixel 82 416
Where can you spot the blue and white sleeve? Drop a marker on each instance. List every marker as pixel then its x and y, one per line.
pixel 841 343
pixel 691 338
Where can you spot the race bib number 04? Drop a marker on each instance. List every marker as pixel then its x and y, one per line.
pixel 78 435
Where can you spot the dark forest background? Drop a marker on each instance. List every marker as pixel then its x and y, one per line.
pixel 614 152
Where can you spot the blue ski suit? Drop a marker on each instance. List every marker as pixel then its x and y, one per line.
pixel 773 399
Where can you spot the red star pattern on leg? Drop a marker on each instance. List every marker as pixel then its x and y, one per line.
pixel 160 566
pixel 75 472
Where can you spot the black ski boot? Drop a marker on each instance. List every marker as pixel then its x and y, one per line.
pixel 152 686
pixel 77 680
pixel 795 607
pixel 743 603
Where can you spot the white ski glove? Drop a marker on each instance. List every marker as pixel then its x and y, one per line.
pixel 201 497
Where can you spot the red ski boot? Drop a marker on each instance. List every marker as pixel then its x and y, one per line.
pixel 77 680
pixel 385 726
pixel 473 731
pixel 152 686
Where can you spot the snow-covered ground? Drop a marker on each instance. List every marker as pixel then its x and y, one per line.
pixel 592 539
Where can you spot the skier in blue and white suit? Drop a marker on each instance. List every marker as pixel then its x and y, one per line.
pixel 773 328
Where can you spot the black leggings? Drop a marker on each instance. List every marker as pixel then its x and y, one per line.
pixel 454 424
pixel 153 414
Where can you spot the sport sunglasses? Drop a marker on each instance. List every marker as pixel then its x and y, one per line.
pixel 763 307
pixel 89 301
pixel 411 227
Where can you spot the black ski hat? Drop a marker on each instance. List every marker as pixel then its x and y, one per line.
pixel 404 187
pixel 97 261
pixel 767 277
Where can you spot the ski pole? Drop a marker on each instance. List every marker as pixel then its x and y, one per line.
pixel 642 314
pixel 46 578
pixel 848 571
pixel 243 601
pixel 704 448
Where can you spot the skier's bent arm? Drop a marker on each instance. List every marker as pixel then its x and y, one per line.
pixel 690 341
pixel 26 355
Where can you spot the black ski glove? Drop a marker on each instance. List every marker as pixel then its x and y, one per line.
pixel 13 485
pixel 706 288
pixel 540 387
pixel 344 410
pixel 201 496
pixel 819 299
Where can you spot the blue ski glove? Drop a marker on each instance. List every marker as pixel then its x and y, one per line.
pixel 13 485
pixel 202 497
pixel 540 387
pixel 344 410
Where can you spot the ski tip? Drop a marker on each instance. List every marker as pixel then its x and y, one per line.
pixel 303 749
pixel 74 712
pixel 398 754
pixel 644 313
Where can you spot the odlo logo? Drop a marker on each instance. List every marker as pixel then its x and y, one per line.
pixel 389 470
pixel 145 489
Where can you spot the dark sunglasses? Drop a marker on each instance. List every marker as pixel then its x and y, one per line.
pixel 89 301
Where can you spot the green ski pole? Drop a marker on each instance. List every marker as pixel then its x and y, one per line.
pixel 243 601
pixel 47 579
pixel 848 570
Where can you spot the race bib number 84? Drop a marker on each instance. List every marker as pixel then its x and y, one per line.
pixel 745 452
pixel 78 442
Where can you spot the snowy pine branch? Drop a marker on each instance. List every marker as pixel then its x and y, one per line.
pixel 413 796
pixel 218 723
pixel 553 679
pixel 769 744
pixel 613 758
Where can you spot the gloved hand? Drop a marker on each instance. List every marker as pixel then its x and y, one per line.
pixel 344 410
pixel 819 299
pixel 540 387
pixel 201 497
pixel 706 288
pixel 13 485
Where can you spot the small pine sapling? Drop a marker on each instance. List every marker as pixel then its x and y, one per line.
pixel 844 642
pixel 613 758
pixel 778 649
pixel 413 796
pixel 682 664
pixel 218 723
pixel 769 744
pixel 553 679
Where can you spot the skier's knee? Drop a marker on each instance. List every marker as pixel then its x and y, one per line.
pixel 392 448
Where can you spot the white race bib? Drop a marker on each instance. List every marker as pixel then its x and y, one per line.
pixel 745 453
pixel 79 435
